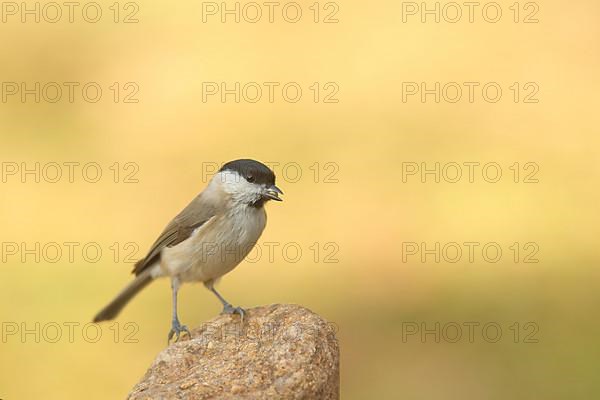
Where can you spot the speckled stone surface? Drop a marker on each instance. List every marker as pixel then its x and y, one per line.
pixel 282 351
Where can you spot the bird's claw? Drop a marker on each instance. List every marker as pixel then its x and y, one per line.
pixel 229 309
pixel 176 330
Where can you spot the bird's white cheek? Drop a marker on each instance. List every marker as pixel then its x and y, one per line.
pixel 237 189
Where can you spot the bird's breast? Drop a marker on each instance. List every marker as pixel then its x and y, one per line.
pixel 216 247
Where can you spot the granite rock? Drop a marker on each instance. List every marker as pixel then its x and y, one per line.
pixel 280 351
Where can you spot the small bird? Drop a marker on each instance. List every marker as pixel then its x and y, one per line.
pixel 208 238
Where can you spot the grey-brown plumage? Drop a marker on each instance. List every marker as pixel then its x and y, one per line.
pixel 116 305
pixel 179 229
pixel 195 246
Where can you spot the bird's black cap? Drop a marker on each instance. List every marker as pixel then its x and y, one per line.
pixel 251 170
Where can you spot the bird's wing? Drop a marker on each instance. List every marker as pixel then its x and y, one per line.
pixel 179 229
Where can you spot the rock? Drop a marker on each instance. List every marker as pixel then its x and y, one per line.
pixel 280 351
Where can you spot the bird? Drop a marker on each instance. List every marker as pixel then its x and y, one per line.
pixel 207 239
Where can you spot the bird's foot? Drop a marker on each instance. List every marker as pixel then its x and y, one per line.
pixel 176 330
pixel 229 309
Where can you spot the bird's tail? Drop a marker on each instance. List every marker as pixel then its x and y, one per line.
pixel 114 307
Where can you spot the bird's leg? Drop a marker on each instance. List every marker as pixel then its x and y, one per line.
pixel 176 327
pixel 227 307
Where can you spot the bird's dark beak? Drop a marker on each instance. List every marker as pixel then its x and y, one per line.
pixel 272 193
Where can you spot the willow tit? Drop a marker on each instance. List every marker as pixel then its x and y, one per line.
pixel 208 238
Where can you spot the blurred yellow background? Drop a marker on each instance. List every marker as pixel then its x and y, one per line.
pixel 375 292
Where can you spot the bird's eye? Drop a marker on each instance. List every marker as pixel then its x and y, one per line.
pixel 250 178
